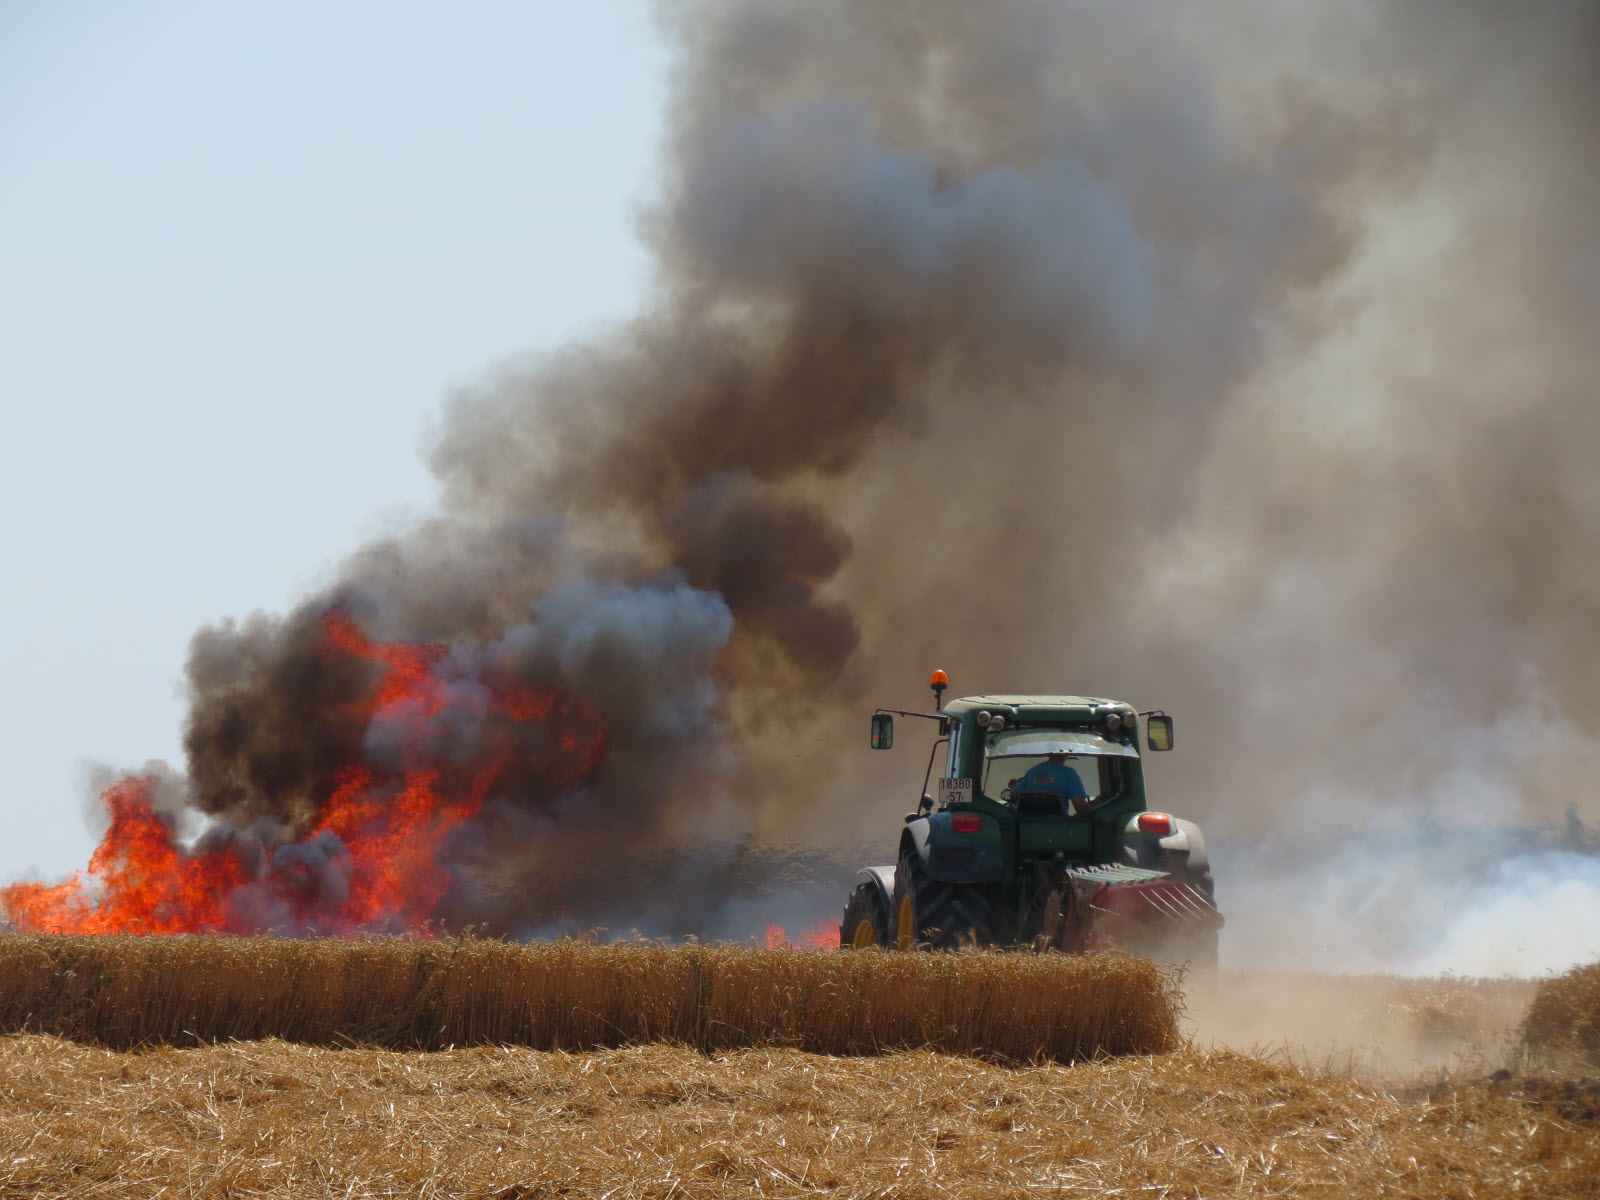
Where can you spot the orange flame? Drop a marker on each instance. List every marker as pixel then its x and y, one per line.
pixel 380 835
pixel 824 935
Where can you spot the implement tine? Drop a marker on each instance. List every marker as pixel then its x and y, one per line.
pixel 1204 910
pixel 1176 907
pixel 1180 903
pixel 1164 906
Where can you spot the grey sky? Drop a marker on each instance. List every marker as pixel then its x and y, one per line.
pixel 244 251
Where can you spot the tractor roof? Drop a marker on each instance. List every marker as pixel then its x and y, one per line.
pixel 1008 700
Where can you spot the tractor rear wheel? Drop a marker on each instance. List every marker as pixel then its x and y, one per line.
pixel 866 919
pixel 941 916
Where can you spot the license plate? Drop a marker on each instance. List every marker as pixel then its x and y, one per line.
pixel 955 791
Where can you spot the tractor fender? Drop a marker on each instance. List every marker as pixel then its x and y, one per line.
pixel 883 879
pixel 1182 852
pixel 951 857
pixel 1186 845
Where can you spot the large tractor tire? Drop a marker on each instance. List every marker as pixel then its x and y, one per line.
pixel 931 914
pixel 866 919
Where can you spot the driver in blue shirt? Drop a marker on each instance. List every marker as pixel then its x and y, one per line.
pixel 1052 777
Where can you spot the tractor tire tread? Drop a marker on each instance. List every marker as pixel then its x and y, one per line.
pixel 865 903
pixel 947 916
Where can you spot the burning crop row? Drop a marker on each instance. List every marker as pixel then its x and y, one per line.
pixel 366 855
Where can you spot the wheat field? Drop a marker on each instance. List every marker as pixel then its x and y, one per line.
pixel 126 992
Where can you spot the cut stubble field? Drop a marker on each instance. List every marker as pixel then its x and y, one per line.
pixel 112 1086
pixel 275 1120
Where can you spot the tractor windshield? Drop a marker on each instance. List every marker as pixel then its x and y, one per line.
pixel 1063 763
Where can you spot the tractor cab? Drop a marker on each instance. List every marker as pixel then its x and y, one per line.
pixel 1053 772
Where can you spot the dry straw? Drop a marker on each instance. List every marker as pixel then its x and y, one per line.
pixel 1565 1014
pixel 573 995
pixel 272 1121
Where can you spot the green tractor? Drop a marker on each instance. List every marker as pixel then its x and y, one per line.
pixel 1037 833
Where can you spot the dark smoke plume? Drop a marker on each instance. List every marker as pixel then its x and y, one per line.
pixel 1234 358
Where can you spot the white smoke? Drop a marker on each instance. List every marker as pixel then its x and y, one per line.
pixel 1537 914
pixel 1480 901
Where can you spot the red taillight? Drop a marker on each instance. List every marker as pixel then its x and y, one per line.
pixel 1157 823
pixel 966 822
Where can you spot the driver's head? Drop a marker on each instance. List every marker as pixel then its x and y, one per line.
pixel 1058 758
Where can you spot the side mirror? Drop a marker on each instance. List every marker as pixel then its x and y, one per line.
pixel 882 731
pixel 1158 732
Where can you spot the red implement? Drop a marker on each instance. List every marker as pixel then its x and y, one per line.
pixel 1131 908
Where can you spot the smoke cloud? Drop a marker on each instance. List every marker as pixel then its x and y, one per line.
pixel 1235 361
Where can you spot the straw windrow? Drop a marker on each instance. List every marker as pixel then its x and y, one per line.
pixel 572 995
pixel 1565 1014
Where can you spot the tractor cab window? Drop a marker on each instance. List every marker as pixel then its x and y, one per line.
pixel 952 762
pixel 1053 771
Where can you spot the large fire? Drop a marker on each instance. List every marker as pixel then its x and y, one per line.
pixel 370 856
